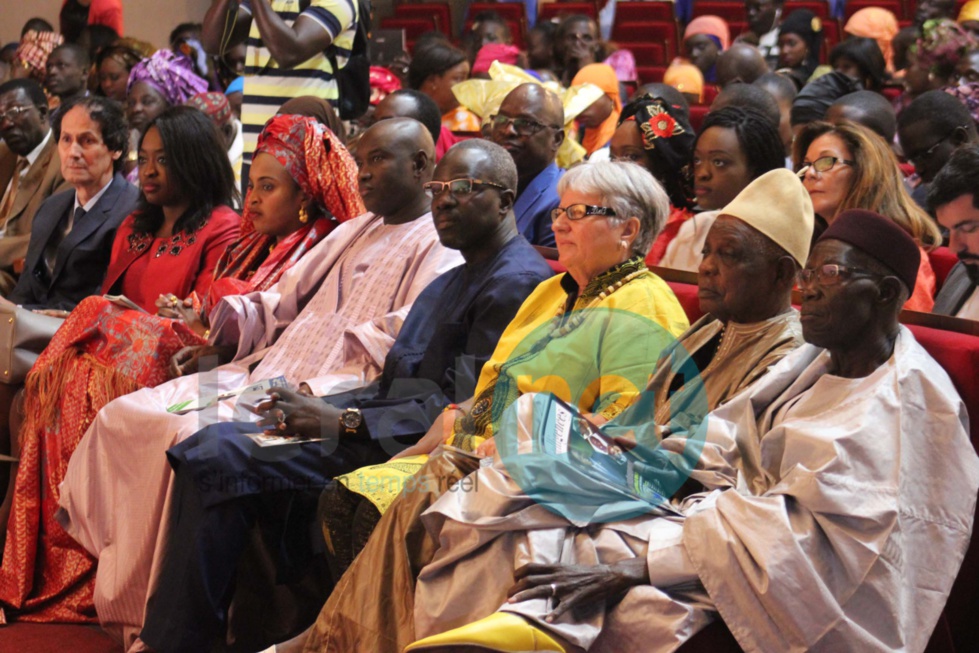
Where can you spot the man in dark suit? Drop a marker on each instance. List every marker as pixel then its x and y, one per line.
pixel 30 170
pixel 71 239
pixel 953 197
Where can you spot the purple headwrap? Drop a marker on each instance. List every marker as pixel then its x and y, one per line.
pixel 169 73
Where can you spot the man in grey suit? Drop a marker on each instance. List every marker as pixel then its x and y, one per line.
pixel 953 197
pixel 71 239
pixel 30 170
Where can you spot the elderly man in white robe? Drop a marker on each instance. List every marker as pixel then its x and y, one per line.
pixel 327 325
pixel 835 503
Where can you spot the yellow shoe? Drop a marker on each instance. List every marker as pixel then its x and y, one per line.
pixel 501 631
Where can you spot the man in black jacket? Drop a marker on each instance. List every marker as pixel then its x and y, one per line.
pixel 71 238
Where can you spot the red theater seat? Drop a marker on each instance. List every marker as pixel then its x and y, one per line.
pixel 697 114
pixel 818 7
pixel 439 11
pixel 650 74
pixel 558 9
pixel 647 32
pixel 631 12
pixel 731 11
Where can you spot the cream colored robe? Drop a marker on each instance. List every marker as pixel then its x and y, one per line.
pixel 837 515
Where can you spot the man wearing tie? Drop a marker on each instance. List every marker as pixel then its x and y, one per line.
pixel 30 170
pixel 72 235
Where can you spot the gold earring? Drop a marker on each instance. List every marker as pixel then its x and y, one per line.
pixel 303 215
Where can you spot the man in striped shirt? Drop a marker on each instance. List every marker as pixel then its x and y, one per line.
pixel 287 45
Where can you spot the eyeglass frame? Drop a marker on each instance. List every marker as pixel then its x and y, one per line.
pixel 473 183
pixel 814 274
pixel 920 156
pixel 538 126
pixel 806 167
pixel 17 111
pixel 590 210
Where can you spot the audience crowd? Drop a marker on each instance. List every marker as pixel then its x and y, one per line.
pixel 323 373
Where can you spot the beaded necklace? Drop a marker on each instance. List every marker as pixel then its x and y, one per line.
pixel 579 314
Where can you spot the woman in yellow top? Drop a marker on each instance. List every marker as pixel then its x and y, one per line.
pixel 589 336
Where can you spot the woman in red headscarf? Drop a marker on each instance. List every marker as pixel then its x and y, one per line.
pixel 303 182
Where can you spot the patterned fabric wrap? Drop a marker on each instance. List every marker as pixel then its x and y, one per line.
pixel 171 74
pixel 942 45
pixel 383 83
pixel 317 160
pixel 669 138
pixel 34 49
pixel 968 94
pixel 252 264
pixel 214 105
pixel 102 351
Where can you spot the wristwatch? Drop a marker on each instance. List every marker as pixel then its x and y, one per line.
pixel 351 420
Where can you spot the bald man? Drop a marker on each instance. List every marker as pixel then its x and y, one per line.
pixel 530 126
pixel 872 110
pixel 424 371
pixel 340 308
pixel 740 63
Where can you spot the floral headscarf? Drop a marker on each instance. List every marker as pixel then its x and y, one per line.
pixel 171 74
pixel 942 45
pixel 316 159
pixel 668 138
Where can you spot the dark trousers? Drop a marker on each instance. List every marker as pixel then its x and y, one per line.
pixel 224 483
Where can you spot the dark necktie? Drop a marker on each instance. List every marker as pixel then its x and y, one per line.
pixel 51 251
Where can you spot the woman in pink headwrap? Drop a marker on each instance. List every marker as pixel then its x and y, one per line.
pixel 878 24
pixel 704 39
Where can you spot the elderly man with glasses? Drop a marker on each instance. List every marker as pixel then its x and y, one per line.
pixel 530 126
pixel 30 170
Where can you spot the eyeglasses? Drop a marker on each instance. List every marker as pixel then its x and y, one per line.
pixel 13 113
pixel 523 126
pixel 459 187
pixel 581 211
pixel 822 164
pixel 829 274
pixel 921 156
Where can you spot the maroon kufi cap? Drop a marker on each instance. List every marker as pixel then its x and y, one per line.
pixel 880 238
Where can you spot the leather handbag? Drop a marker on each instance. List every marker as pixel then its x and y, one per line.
pixel 23 336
